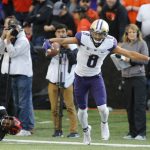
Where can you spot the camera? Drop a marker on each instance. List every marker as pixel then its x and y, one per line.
pixel 13 29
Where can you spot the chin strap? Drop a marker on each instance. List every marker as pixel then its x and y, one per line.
pixel 97 44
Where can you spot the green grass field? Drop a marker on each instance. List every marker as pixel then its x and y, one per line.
pixel 42 140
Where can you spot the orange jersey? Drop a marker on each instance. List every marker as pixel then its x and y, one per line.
pixel 147 1
pixel 83 25
pixel 5 2
pixel 132 14
pixel 22 5
pixel 92 14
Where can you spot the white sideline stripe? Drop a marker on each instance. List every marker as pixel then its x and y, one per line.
pixel 44 122
pixel 73 143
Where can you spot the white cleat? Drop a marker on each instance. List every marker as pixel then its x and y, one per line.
pixel 87 136
pixel 23 133
pixel 105 131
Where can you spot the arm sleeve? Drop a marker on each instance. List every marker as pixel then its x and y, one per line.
pixel 78 37
pixel 144 51
pixel 114 45
pixel 17 49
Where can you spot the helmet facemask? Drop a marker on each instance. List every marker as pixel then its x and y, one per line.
pixel 97 37
pixel 99 31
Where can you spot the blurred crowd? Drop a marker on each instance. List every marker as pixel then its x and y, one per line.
pixel 39 17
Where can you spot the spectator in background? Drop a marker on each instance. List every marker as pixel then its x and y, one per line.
pixel 61 76
pixel 41 11
pixel 61 15
pixel 83 22
pixel 100 5
pixel 21 9
pixel 72 5
pixel 93 4
pixel 116 16
pixel 2 15
pixel 92 14
pixel 143 19
pixel 134 87
pixel 132 7
pixel 28 31
pixel 8 7
pixel 17 61
pixel 143 22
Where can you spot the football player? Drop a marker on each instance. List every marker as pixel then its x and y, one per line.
pixel 94 46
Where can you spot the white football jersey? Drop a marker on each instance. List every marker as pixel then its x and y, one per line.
pixel 89 57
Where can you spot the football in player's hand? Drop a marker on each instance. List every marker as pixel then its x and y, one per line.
pixel 54 49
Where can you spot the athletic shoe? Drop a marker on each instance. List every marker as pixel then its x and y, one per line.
pixel 87 136
pixel 58 133
pixel 105 131
pixel 140 137
pixel 73 135
pixel 23 133
pixel 128 137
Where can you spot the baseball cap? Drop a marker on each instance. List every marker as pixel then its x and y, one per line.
pixel 79 9
pixel 58 6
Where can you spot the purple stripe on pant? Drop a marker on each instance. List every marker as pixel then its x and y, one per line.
pixel 94 84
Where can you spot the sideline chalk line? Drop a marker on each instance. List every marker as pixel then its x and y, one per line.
pixel 73 143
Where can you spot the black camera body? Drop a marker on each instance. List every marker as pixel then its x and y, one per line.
pixel 13 29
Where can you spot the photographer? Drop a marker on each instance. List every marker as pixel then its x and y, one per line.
pixel 5 81
pixel 17 62
pixel 61 76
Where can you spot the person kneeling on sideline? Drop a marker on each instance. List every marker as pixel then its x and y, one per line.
pixel 8 124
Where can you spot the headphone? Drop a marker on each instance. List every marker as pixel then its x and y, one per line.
pixel 138 33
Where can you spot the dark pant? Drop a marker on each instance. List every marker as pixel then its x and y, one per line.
pixel 6 99
pixel 135 94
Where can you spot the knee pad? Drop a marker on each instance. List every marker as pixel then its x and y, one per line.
pixel 104 112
